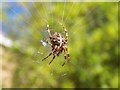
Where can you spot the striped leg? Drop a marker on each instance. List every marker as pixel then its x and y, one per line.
pixel 66 34
pixel 48 42
pixel 53 54
pixel 49 33
pixel 47 56
pixel 66 56
pixel 52 59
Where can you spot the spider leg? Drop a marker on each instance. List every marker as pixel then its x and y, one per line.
pixel 49 53
pixel 66 55
pixel 49 33
pixel 48 42
pixel 52 59
pixel 47 56
pixel 66 34
pixel 53 54
pixel 65 59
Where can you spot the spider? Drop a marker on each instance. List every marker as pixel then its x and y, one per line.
pixel 58 44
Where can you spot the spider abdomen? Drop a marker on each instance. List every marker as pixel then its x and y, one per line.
pixel 58 50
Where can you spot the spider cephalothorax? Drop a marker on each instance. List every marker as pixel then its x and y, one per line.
pixel 58 44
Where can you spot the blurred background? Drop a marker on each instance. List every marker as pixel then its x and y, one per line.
pixel 92 44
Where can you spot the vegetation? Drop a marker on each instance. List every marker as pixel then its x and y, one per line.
pixel 93 45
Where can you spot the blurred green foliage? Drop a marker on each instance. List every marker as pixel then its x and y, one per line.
pixel 93 46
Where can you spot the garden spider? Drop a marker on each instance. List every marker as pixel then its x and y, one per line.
pixel 58 44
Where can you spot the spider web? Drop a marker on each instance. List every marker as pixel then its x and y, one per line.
pixel 55 25
pixel 49 7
